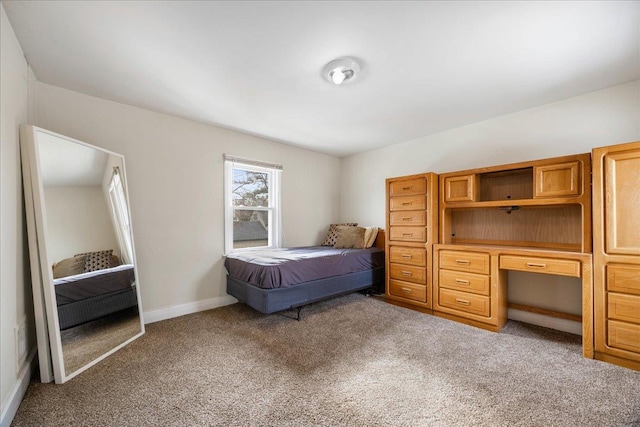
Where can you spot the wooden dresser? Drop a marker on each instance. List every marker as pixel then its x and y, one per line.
pixel 412 229
pixel 616 253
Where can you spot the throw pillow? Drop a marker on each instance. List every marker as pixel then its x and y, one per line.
pixel 350 237
pixel 69 266
pixel 370 235
pixel 98 260
pixel 332 234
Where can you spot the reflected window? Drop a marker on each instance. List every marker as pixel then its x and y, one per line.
pixel 252 204
pixel 119 208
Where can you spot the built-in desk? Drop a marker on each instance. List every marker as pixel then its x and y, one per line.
pixel 470 282
pixel 531 216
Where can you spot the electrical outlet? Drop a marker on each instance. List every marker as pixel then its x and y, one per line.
pixel 21 344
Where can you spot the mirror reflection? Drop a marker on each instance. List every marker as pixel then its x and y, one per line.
pixel 89 250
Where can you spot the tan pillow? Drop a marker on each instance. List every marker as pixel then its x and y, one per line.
pixel 332 234
pixel 370 235
pixel 350 237
pixel 115 261
pixel 69 266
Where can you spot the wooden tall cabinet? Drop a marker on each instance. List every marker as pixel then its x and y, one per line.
pixel 616 252
pixel 412 229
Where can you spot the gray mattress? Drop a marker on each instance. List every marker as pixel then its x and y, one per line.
pixel 287 267
pixel 87 285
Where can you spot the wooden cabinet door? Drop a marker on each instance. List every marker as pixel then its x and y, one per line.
pixel 560 180
pixel 622 203
pixel 460 189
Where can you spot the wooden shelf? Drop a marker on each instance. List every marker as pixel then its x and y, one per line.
pixel 521 203
pixel 538 204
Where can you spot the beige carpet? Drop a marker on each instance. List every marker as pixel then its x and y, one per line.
pixel 352 361
pixel 84 343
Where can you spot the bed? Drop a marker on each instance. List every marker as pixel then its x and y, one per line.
pixel 273 280
pixel 88 296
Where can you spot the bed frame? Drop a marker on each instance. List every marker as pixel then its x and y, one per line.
pixel 83 311
pixel 269 301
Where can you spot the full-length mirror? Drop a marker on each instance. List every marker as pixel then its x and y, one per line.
pixel 81 243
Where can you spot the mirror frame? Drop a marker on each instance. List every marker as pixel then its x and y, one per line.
pixel 45 307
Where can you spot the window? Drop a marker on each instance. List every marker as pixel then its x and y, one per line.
pixel 252 204
pixel 121 216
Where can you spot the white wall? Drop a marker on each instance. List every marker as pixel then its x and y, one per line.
pixel 575 125
pixel 572 126
pixel 16 305
pixel 175 177
pixel 78 220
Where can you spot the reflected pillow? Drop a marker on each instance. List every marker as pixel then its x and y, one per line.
pixel 98 260
pixel 350 237
pixel 332 234
pixel 69 266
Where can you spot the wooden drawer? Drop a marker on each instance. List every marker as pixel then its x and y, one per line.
pixel 408 290
pixel 469 303
pixel 466 282
pixel 562 267
pixel 408 234
pixel 623 307
pixel 623 278
pixel 460 189
pixel 407 203
pixel 473 262
pixel 408 273
pixel 625 336
pixel 407 187
pixel 407 218
pixel 561 180
pixel 411 256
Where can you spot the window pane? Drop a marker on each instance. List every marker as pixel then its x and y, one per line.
pixel 250 188
pixel 250 228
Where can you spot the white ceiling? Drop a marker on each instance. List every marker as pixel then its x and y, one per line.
pixel 256 66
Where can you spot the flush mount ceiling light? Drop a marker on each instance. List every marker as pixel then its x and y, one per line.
pixel 341 70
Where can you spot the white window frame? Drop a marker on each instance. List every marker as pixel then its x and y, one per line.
pixel 274 172
pixel 121 217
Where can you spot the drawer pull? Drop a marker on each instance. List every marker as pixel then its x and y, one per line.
pixel 407 234
pixel 406 290
pixel 462 301
pixel 407 203
pixel 406 188
pixel 463 261
pixel 407 218
pixel 462 282
pixel 536 265
pixel 406 256
pixel 406 273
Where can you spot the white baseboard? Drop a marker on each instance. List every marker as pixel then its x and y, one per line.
pixel 12 402
pixel 546 321
pixel 189 308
